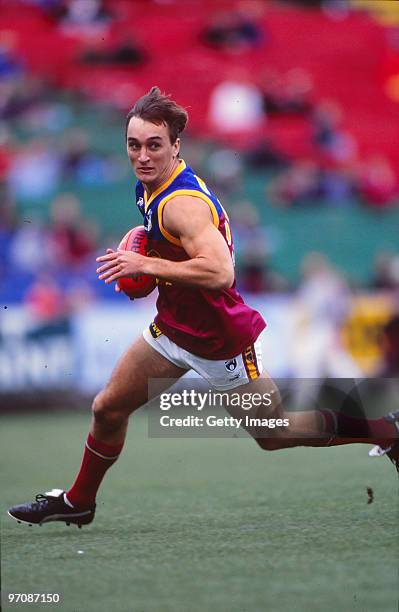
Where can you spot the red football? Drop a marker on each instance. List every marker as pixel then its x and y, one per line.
pixel 137 285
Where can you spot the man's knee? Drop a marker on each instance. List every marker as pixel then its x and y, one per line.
pixel 107 412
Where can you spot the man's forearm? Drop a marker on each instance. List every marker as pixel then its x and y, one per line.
pixel 197 272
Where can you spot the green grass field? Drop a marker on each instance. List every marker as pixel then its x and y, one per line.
pixel 200 525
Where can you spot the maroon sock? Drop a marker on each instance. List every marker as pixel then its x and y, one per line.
pixel 97 458
pixel 373 431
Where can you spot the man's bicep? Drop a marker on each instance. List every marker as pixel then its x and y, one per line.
pixel 190 220
pixel 209 243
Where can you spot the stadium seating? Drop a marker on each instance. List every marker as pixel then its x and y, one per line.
pixel 337 57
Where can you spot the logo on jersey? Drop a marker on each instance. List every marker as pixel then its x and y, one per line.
pixel 231 364
pixel 148 221
pixel 140 203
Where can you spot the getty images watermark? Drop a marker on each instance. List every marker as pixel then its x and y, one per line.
pixel 217 399
pixel 188 407
pixel 192 412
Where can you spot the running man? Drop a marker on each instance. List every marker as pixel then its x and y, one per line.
pixel 202 322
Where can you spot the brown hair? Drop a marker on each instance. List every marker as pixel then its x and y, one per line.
pixel 158 108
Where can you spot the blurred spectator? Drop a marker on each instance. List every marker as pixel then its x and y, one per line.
pixel 329 136
pixel 21 95
pixel 72 238
pixel 195 152
pixel 378 185
pixel 75 148
pixel 225 171
pixel 323 288
pixel 234 31
pixel 297 186
pixel 84 11
pixel 306 183
pixel 265 155
pixel 29 248
pixel 44 299
pixel 253 245
pixel 35 170
pixel 80 162
pixel 11 100
pixel 250 234
pixel 83 16
pixel 288 94
pixel 236 105
pixel 256 276
pixel 45 115
pixel 125 52
pixel 323 304
pixel 336 187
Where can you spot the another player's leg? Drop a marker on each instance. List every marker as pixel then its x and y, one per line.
pixel 126 391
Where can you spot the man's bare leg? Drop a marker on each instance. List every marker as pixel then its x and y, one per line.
pixel 125 392
pixel 309 427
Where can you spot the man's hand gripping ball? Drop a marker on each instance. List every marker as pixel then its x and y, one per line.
pixel 124 265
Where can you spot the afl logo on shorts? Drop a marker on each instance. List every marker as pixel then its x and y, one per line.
pixel 231 364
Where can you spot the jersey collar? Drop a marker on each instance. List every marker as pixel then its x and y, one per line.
pixel 148 200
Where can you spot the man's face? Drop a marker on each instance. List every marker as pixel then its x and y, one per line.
pixel 150 151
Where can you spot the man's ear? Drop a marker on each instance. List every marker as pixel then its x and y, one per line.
pixel 176 145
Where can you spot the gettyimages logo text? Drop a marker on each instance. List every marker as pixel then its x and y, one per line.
pixel 214 399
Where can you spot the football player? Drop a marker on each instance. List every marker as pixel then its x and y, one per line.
pixel 202 322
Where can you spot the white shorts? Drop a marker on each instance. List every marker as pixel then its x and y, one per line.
pixel 222 374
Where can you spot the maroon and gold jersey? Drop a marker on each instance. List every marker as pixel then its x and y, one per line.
pixel 214 324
